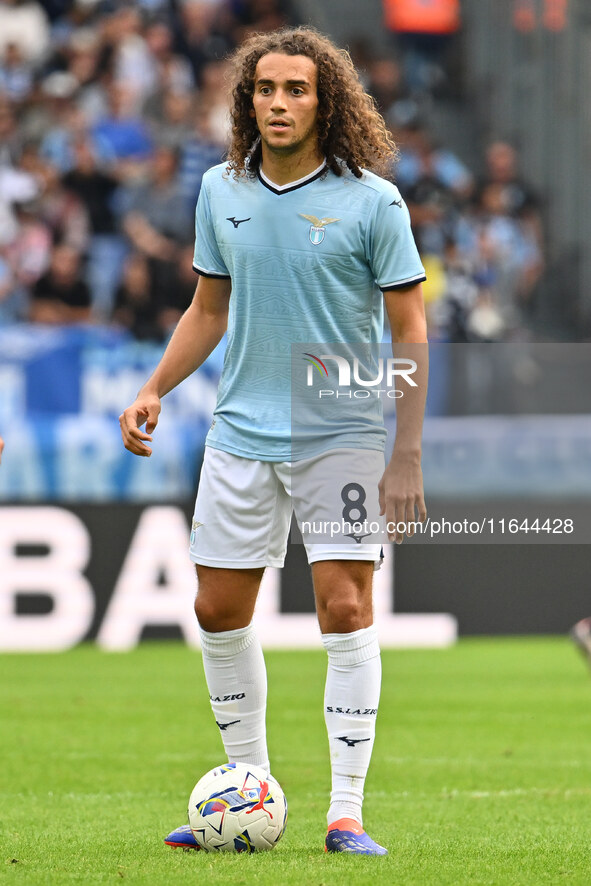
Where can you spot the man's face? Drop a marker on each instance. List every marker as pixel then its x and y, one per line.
pixel 285 103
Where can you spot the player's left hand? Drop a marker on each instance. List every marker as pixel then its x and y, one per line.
pixel 401 496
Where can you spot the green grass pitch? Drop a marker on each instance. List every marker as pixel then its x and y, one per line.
pixel 481 771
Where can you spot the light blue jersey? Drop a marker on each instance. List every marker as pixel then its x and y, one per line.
pixel 308 263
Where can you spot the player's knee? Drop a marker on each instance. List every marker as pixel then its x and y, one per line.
pixel 215 616
pixel 208 614
pixel 344 614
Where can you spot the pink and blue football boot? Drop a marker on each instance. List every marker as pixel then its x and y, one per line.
pixel 347 835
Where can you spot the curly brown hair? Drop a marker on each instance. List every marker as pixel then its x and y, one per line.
pixel 350 129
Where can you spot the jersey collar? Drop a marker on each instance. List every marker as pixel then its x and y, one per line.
pixel 291 186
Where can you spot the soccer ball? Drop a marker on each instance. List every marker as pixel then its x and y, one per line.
pixel 237 808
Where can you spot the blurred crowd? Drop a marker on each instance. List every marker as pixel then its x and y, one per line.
pixel 110 113
pixel 481 239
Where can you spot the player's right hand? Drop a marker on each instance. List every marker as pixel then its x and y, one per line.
pixel 145 410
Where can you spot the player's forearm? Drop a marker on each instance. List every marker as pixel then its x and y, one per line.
pixel 406 314
pixel 198 332
pixel 410 408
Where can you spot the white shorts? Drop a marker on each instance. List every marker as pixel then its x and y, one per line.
pixel 244 507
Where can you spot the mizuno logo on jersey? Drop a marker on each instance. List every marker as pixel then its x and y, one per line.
pixel 397 203
pixel 237 221
pixel 318 227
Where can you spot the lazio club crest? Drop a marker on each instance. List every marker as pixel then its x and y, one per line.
pixel 318 227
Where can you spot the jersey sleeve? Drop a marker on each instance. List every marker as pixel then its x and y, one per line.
pixel 393 255
pixel 207 260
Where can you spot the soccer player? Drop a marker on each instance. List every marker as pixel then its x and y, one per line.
pixel 297 241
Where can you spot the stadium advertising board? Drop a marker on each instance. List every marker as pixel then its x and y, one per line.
pixel 118 574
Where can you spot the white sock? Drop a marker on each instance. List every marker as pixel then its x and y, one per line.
pixel 350 707
pixel 237 682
